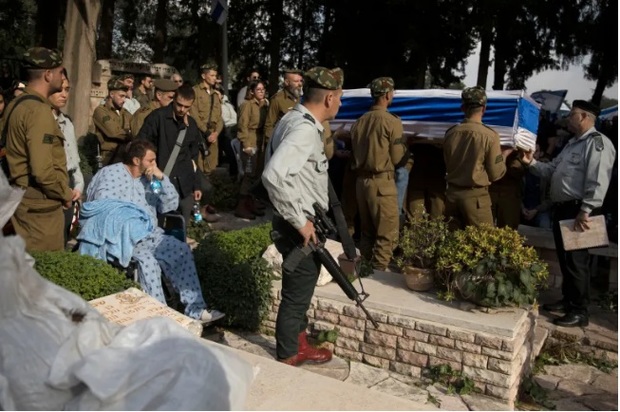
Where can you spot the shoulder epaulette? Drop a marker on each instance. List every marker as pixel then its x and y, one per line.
pixel 308 116
pixel 394 114
pixel 599 145
pixel 452 127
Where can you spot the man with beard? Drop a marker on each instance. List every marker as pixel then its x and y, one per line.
pixel 36 155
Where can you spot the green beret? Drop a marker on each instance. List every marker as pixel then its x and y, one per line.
pixel 42 58
pixel 116 84
pixel 126 76
pixel 324 78
pixel 208 66
pixel 165 85
pixel 474 96
pixel 586 107
pixel 381 85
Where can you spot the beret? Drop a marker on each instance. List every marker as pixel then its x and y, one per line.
pixel 324 78
pixel 42 58
pixel 116 84
pixel 209 66
pixel 126 76
pixel 587 107
pixel 381 85
pixel 165 85
pixel 474 96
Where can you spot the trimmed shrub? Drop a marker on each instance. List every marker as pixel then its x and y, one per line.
pixel 234 277
pixel 83 275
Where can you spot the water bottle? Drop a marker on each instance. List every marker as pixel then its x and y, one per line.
pixel 249 165
pixel 155 185
pixel 196 213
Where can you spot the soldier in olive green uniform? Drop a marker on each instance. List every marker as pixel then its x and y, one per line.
pixel 164 94
pixel 207 111
pixel 506 194
pixel 378 148
pixel 426 189
pixel 113 123
pixel 36 155
pixel 473 160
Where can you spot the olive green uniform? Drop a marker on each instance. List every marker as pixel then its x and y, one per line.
pixel 207 111
pixel 137 120
pixel 143 98
pixel 279 105
pixel 250 132
pixel 37 163
pixel 377 142
pixel 473 160
pixel 113 130
pixel 506 194
pixel 426 189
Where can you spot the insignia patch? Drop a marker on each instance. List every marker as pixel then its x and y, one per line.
pixel 598 143
pixel 105 118
pixel 499 159
pixel 48 139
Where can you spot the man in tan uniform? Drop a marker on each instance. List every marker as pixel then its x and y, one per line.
pixel 378 148
pixel 36 154
pixel 506 194
pixel 164 94
pixel 426 189
pixel 113 123
pixel 473 160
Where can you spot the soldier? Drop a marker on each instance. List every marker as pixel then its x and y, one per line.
pixel 176 78
pixel 296 177
pixel 253 75
pixel 506 194
pixel 131 104
pixel 378 149
pixel 36 155
pixel 164 94
pixel 426 189
pixel 143 93
pixel 580 177
pixel 474 159
pixel 113 123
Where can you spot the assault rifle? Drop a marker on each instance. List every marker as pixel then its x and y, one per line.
pixel 323 227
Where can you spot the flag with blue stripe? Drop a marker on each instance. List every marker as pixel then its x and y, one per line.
pixel 219 9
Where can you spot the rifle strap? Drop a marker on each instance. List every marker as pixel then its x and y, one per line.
pixel 341 224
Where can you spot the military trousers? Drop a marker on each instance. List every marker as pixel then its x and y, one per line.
pixel 432 200
pixel 297 290
pixel 349 198
pixel 377 202
pixel 468 206
pixel 506 208
pixel 207 163
pixel 576 265
pixel 41 223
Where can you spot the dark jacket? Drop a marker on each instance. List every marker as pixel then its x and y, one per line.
pixel 162 129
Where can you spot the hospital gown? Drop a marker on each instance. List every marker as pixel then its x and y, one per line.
pixel 157 251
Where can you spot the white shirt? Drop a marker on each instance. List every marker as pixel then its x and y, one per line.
pixel 71 151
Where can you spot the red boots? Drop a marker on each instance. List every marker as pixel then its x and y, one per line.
pixel 307 353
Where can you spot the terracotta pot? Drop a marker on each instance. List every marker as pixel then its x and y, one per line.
pixel 418 279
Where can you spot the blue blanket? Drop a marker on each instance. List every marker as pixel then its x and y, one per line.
pixel 111 229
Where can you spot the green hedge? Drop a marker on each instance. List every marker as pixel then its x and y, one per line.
pixel 85 276
pixel 234 277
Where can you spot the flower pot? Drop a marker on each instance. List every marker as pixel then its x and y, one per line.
pixel 418 279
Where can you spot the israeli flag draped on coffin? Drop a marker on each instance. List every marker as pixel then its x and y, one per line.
pixel 429 113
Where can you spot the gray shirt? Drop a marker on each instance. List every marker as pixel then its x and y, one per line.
pixel 76 179
pixel 295 174
pixel 581 171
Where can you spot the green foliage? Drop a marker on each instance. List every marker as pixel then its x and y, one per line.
pixel 234 277
pixel 609 301
pixel 198 230
pixel 454 381
pixel 225 192
pixel 560 352
pixel 420 241
pixel 83 275
pixel 490 266
pixel 328 336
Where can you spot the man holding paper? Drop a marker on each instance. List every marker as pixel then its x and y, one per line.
pixel 580 176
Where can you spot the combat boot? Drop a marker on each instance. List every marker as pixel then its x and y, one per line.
pixel 243 209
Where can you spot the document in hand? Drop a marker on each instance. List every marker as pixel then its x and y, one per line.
pixel 596 236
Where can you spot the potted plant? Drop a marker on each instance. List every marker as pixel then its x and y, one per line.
pixel 490 266
pixel 419 244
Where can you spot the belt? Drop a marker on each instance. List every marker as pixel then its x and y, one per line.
pixel 453 186
pixel 573 202
pixel 374 175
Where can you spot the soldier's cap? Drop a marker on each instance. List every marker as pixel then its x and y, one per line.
pixel 42 58
pixel 165 85
pixel 293 71
pixel 126 76
pixel 381 85
pixel 474 96
pixel 587 107
pixel 208 66
pixel 116 84
pixel 324 78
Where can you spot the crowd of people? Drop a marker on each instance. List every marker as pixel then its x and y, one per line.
pixel 167 131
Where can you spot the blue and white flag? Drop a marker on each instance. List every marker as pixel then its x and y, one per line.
pixel 219 10
pixel 550 100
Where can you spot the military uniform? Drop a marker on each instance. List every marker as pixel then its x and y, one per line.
pixel 296 177
pixel 143 98
pixel 580 177
pixel 506 194
pixel 473 160
pixel 137 120
pixel 426 189
pixel 207 111
pixel 378 148
pixel 37 162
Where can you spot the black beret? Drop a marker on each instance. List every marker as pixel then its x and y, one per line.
pixel 587 107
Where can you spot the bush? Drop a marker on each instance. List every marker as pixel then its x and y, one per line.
pixel 83 275
pixel 420 241
pixel 234 277
pixel 225 191
pixel 490 266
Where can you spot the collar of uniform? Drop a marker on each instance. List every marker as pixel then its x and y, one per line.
pixel 586 134
pixel 471 121
pixel 290 95
pixel 28 90
pixel 303 110
pixel 377 107
pixel 204 87
pixel 109 105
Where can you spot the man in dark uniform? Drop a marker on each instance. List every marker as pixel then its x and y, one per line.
pixel 295 177
pixel 474 159
pixel 113 123
pixel 580 177
pixel 36 155
pixel 378 149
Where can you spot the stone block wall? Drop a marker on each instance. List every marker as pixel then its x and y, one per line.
pixel 406 345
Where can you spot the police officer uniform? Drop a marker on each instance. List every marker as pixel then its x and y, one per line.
pixel 378 148
pixel 112 126
pixel 160 85
pixel 580 177
pixel 37 161
pixel 295 178
pixel 473 160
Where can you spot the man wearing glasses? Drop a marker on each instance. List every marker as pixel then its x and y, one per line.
pixel 253 76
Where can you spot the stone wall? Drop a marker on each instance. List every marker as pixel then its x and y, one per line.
pixel 407 345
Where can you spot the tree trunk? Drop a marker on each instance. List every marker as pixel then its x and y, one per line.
pixel 161 31
pixel 486 36
pixel 277 29
pixel 79 56
pixel 106 28
pixel 48 21
pixel 601 84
